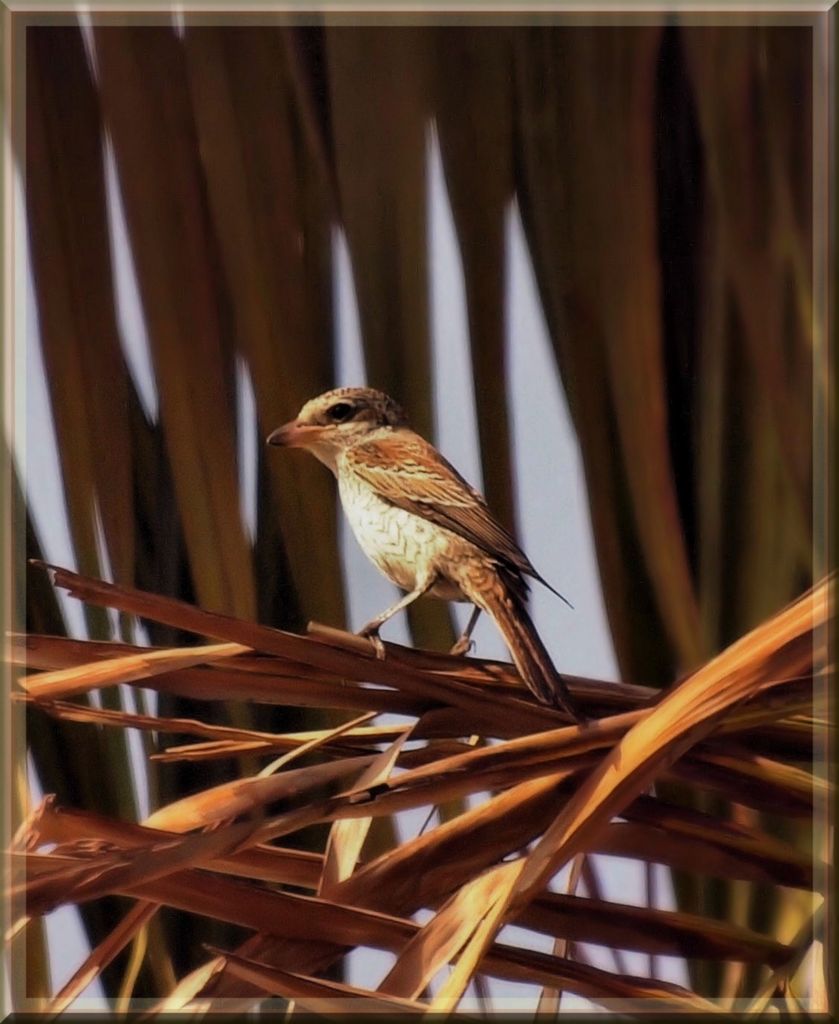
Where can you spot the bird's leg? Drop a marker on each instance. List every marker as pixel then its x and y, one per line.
pixel 464 642
pixel 371 629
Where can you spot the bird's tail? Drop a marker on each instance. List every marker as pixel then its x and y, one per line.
pixel 531 658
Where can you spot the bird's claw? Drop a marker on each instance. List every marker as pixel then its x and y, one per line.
pixel 372 634
pixel 463 646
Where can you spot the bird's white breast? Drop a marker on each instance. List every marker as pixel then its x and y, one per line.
pixel 403 546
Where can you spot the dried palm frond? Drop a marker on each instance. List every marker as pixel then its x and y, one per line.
pixel 550 791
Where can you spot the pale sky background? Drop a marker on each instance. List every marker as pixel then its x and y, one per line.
pixel 552 499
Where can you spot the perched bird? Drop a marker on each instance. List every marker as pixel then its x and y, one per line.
pixel 423 525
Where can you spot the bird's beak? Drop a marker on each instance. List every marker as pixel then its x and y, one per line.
pixel 294 435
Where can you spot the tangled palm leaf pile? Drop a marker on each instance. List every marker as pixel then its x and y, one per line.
pixel 520 795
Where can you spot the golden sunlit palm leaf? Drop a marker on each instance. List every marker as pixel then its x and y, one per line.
pixel 758 664
pixel 442 938
pixel 307 919
pixel 72 681
pixel 672 728
pixel 68 711
pixel 346 663
pixel 346 837
pixel 313 993
pixel 269 863
pixel 637 928
pixel 238 797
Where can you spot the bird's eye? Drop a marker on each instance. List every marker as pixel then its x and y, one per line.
pixel 340 411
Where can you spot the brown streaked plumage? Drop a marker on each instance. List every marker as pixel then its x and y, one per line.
pixel 423 525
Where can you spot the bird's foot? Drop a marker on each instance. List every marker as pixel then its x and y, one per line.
pixel 463 646
pixel 371 631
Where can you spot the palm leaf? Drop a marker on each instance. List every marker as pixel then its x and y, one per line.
pixel 368 905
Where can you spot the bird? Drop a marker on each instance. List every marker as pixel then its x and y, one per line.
pixel 423 526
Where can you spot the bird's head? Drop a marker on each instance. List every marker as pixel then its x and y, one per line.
pixel 337 419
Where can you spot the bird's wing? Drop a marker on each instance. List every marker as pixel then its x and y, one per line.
pixel 408 472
